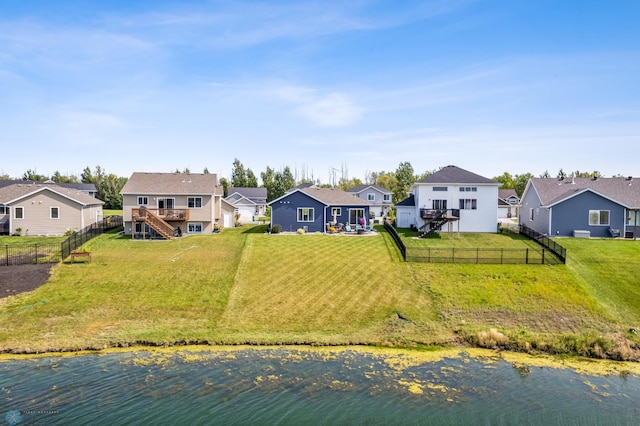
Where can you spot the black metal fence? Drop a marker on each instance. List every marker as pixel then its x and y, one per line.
pixel 481 255
pixel 396 238
pixel 55 252
pixel 544 241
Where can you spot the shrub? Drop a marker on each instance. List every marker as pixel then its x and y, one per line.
pixel 300 231
pixel 491 339
pixel 275 229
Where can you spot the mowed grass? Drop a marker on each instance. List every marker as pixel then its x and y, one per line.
pixel 133 291
pixel 321 289
pixel 28 240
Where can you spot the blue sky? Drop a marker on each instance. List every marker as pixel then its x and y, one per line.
pixel 488 85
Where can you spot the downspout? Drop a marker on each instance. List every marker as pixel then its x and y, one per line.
pixel 550 220
pixel 635 224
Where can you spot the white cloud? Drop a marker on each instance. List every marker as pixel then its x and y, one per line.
pixel 333 109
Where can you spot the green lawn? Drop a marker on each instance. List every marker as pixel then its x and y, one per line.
pixel 243 286
pixel 26 240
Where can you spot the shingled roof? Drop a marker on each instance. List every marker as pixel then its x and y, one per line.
pixel 172 184
pixel 334 197
pixel 625 191
pixel 359 188
pixel 250 193
pixel 454 174
pixel 17 191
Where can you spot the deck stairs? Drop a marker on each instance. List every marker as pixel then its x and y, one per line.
pixel 434 224
pixel 157 224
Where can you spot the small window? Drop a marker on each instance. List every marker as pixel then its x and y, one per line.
pixel 468 204
pixel 531 214
pixel 18 212
pixel 598 217
pixel 4 209
pixel 305 214
pixel 55 213
pixel 194 202
pixel 468 189
pixel 440 189
pixel 371 197
pixel 194 227
pixel 387 197
pixel 143 201
pixel 336 211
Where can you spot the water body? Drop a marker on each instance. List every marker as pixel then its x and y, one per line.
pixel 293 387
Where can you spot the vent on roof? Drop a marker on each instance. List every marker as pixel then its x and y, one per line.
pixel 594 178
pixel 630 178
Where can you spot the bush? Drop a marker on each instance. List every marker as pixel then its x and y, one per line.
pixel 275 229
pixel 300 231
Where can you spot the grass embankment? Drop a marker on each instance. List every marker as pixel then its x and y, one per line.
pixel 247 287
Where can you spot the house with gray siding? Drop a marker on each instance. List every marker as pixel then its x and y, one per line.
pixel 595 207
pixel 46 209
pixel 313 209
pixel 380 199
pixel 249 203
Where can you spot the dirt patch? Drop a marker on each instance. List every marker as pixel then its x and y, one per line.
pixel 22 278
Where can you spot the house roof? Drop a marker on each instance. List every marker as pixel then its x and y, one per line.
pixel 410 201
pixel 359 188
pixel 328 196
pixel 251 193
pixel 454 174
pixel 506 193
pixel 172 184
pixel 301 186
pixel 625 191
pixel 12 193
pixel 87 187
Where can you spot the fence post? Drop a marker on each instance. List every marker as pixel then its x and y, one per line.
pixel 527 256
pixel 7 251
pixel 543 256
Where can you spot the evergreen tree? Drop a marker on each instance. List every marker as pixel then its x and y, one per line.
pixel 238 175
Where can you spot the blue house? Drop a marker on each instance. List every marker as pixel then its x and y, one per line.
pixel 313 209
pixel 582 207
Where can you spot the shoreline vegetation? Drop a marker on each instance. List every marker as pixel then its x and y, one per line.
pixel 244 287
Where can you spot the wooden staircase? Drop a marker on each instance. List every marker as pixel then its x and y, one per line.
pixel 157 224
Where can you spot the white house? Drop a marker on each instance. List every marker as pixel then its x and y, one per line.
pixel 466 200
pixel 249 203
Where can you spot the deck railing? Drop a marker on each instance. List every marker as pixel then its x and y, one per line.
pixel 168 215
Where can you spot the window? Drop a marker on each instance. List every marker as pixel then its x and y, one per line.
pixel 468 204
pixel 4 209
pixel 439 204
pixel 468 189
pixel 371 197
pixel 18 212
pixel 143 201
pixel 194 202
pixel 598 217
pixel 142 227
pixel 194 227
pixel 631 216
pixel 55 213
pixel 387 197
pixel 440 188
pixel 336 211
pixel 305 214
pixel 531 214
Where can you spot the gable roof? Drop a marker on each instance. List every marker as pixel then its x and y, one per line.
pixel 301 186
pixel 86 187
pixel 12 193
pixel 507 193
pixel 360 188
pixel 625 191
pixel 172 184
pixel 454 174
pixel 328 196
pixel 251 193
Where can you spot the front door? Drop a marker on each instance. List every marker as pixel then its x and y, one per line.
pixel 355 215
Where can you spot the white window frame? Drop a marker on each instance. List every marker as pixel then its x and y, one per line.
pixel 308 212
pixel 371 196
pixel 4 209
pixel 51 212
pixel 468 204
pixel 439 204
pixel 195 204
pixel 143 200
pixel 386 197
pixel 599 213
pixel 336 211
pixel 15 213
pixel 440 189
pixel 191 227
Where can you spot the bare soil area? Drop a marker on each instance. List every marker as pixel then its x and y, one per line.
pixel 22 278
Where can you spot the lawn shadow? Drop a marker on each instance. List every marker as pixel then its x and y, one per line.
pixel 256 229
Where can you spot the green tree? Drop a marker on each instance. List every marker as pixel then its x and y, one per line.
pixel 225 186
pixel 252 180
pixel 520 182
pixel 269 182
pixel 60 178
pixel 32 175
pixel 108 187
pixel 284 181
pixel 238 175
pixel 405 178
pixel 505 179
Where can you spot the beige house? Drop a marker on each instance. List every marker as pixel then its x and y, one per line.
pixel 164 205
pixel 46 209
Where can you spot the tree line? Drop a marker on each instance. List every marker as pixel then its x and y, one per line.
pixel 277 182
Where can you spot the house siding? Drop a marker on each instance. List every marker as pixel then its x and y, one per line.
pixel 573 214
pixel 37 214
pixel 284 212
pixel 541 215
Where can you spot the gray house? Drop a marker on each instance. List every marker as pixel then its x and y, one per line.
pixel 249 203
pixel 314 208
pixel 379 198
pixel 582 207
